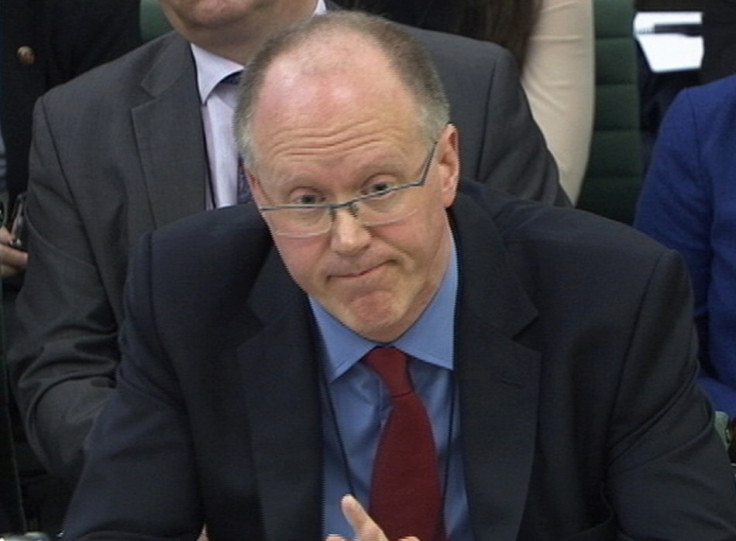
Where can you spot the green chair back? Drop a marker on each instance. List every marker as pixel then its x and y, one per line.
pixel 613 178
pixel 152 20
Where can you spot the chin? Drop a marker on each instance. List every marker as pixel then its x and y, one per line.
pixel 382 322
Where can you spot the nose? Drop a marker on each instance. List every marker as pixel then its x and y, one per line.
pixel 348 234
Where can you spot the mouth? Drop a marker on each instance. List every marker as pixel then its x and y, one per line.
pixel 353 275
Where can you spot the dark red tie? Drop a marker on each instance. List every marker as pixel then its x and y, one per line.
pixel 406 498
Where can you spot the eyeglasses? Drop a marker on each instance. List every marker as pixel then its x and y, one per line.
pixel 384 205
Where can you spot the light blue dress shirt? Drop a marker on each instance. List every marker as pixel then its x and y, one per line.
pixel 360 405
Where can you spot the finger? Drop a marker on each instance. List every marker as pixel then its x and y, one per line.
pixel 363 525
pixel 354 512
pixel 5 237
pixel 7 272
pixel 13 258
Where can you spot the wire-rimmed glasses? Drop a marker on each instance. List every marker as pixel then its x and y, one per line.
pixel 385 205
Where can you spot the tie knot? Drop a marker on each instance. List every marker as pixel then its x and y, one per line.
pixel 392 367
pixel 232 79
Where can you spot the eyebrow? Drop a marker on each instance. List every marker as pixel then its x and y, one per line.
pixel 389 166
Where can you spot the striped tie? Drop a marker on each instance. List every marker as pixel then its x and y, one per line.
pixel 243 195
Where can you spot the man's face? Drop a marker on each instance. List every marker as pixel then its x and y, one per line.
pixel 332 137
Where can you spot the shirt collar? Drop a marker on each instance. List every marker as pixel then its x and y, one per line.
pixel 211 68
pixel 429 339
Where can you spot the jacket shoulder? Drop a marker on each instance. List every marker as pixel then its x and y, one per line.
pixel 443 46
pixel 711 100
pixel 558 232
pixel 228 242
pixel 166 54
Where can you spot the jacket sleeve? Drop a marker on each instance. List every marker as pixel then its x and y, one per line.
pixel 686 204
pixel 500 143
pixel 513 152
pixel 668 476
pixel 63 348
pixel 141 450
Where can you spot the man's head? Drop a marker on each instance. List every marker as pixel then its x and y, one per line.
pixel 233 29
pixel 337 108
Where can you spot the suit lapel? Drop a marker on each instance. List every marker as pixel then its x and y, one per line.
pixel 498 378
pixel 280 371
pixel 169 132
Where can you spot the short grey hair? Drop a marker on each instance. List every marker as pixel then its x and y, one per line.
pixel 407 58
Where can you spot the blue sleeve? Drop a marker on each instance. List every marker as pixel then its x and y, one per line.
pixel 685 204
pixel 675 203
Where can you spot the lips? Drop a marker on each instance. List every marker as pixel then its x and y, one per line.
pixel 352 274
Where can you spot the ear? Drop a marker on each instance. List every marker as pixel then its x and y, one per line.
pixel 448 163
pixel 255 186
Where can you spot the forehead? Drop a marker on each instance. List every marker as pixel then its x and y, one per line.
pixel 313 98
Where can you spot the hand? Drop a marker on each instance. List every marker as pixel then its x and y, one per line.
pixel 12 260
pixel 363 526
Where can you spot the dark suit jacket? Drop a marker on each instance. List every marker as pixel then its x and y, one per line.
pixel 22 82
pixel 574 358
pixel 66 39
pixel 120 151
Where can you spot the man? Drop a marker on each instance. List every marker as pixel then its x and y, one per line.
pixel 553 350
pixel 146 140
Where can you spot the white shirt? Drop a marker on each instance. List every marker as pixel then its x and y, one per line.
pixel 218 105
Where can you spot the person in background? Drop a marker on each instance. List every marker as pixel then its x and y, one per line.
pixel 530 369
pixel 146 140
pixel 45 43
pixel 688 202
pixel 552 42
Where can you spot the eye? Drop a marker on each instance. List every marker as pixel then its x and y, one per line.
pixel 379 187
pixel 306 199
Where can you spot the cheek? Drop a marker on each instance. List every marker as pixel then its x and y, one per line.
pixel 302 257
pixel 428 231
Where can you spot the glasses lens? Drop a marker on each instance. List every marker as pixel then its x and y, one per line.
pixel 299 222
pixel 384 208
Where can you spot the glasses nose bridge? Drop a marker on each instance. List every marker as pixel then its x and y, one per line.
pixel 351 206
pixel 339 226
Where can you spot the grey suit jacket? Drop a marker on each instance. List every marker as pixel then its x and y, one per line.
pixel 575 363
pixel 120 151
